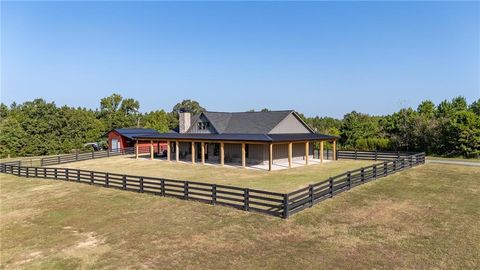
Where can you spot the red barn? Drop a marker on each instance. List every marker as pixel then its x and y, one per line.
pixel 121 138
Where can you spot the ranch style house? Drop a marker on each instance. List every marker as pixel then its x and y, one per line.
pixel 246 138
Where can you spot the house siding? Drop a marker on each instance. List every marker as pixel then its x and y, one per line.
pixel 290 124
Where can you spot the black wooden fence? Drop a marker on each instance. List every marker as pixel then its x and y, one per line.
pixel 243 198
pixel 271 203
pixel 315 193
pixel 47 161
pixel 371 155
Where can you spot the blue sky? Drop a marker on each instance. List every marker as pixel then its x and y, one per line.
pixel 319 58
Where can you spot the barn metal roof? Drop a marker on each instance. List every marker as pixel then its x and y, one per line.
pixel 136 132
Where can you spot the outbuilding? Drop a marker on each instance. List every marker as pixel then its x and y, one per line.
pixel 122 138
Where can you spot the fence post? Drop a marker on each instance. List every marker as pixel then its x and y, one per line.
pixel 91 178
pixel 328 157
pixel 246 205
pixel 362 174
pixel 385 168
pixel 330 184
pixel 124 182
pixel 355 154
pixel 375 171
pixel 185 190
pixel 27 174
pixel 55 173
pixel 394 165
pixel 36 172
pixel 310 194
pixel 285 206
pixel 141 184
pixel 162 187
pixel 214 194
pixel 107 176
pixel 78 175
pixel 58 159
pixel 349 179
pixel 66 174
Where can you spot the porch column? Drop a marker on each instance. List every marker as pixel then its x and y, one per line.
pixel 321 151
pixel 306 153
pixel 177 151
pixel 136 149
pixel 168 150
pixel 335 150
pixel 290 154
pixel 193 152
pixel 151 149
pixel 270 156
pixel 222 154
pixel 243 155
pixel 203 153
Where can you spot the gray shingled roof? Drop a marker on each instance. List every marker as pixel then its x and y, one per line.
pixel 246 122
pixel 291 137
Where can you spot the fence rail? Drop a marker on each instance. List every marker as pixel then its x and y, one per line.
pixel 266 202
pixel 371 155
pixel 48 161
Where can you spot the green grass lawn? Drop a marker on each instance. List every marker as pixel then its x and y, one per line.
pixel 281 181
pixel 454 159
pixel 427 217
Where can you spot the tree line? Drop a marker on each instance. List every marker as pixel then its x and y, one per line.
pixel 38 127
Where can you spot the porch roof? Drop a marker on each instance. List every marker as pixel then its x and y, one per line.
pixel 286 137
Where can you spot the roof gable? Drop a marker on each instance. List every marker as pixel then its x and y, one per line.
pixel 248 122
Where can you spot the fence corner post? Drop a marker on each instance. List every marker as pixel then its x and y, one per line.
pixel 286 212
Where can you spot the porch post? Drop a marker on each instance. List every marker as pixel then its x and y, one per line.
pixel 136 149
pixel 151 149
pixel 321 151
pixel 243 155
pixel 177 151
pixel 306 153
pixel 193 152
pixel 222 154
pixel 290 154
pixel 334 149
pixel 168 150
pixel 203 153
pixel 270 156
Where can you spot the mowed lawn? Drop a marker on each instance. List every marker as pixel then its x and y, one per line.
pixel 427 217
pixel 281 181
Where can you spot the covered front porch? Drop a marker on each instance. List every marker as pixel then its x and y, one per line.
pixel 247 154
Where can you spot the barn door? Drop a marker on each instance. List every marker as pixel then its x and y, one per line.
pixel 115 145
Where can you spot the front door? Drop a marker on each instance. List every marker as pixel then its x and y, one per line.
pixel 198 147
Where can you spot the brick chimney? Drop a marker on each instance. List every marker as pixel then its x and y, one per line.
pixel 184 121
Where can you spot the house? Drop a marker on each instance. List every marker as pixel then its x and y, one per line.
pixel 240 137
pixel 121 138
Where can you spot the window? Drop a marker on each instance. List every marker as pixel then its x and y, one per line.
pixel 203 125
